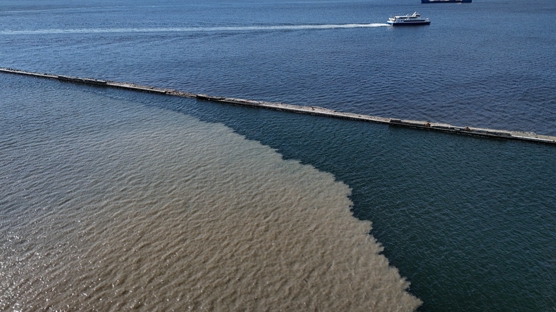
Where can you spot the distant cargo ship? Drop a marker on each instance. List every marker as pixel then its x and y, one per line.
pixel 446 1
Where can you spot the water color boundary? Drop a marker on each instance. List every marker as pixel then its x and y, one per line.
pixel 311 110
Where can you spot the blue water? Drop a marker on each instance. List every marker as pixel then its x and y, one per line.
pixel 469 222
pixel 488 63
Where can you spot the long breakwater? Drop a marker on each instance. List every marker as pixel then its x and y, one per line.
pixel 312 110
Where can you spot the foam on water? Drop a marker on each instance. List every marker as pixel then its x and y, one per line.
pixel 187 29
pixel 108 204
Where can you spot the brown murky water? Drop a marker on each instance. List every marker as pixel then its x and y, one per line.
pixel 110 205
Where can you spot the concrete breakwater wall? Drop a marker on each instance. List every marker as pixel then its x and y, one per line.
pixel 312 110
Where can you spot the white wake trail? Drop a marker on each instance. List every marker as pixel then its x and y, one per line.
pixel 187 29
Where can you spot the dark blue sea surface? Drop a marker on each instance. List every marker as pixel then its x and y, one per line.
pixel 488 63
pixel 470 222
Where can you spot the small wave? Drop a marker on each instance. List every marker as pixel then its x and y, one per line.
pixel 187 29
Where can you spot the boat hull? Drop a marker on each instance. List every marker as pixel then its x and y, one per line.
pixel 409 24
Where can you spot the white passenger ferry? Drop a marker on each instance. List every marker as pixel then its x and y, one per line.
pixel 408 20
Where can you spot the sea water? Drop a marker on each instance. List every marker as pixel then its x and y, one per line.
pixel 108 204
pixel 89 180
pixel 481 64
